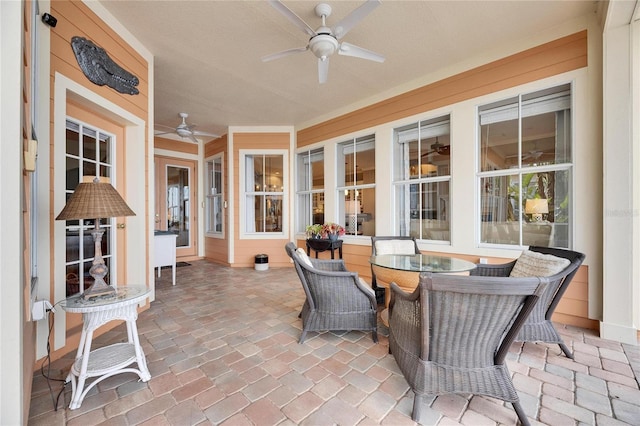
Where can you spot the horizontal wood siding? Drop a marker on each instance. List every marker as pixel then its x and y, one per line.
pixel 558 56
pixel 246 249
pixel 76 19
pixel 215 146
pixel 174 145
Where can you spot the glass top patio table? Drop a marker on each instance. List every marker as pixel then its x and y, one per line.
pixel 421 263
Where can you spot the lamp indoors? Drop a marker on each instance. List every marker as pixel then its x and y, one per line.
pixel 93 199
pixel 536 207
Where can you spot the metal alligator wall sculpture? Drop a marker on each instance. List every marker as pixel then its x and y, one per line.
pixel 100 68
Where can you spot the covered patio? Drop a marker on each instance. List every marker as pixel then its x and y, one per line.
pixel 222 348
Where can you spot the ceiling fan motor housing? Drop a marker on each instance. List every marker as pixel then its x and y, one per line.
pixel 183 131
pixel 324 44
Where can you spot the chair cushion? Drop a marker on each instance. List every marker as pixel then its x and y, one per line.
pixel 395 247
pixel 534 264
pixel 303 256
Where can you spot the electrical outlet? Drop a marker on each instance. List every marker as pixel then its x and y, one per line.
pixel 483 260
pixel 39 310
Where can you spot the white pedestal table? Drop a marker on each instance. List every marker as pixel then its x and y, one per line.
pixel 109 360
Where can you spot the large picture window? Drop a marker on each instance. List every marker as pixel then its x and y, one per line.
pixel 214 206
pixel 310 190
pixel 264 180
pixel 356 185
pixel 525 169
pixel 422 153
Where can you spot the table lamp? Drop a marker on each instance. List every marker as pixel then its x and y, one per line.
pixel 93 199
pixel 536 207
pixel 353 210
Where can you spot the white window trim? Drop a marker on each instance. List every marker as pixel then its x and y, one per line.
pixel 243 234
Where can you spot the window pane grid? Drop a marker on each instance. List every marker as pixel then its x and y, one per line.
pixel 525 169
pixel 356 185
pixel 264 193
pixel 422 157
pixel 88 153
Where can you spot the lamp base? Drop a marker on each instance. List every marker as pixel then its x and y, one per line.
pixel 99 269
pixel 95 291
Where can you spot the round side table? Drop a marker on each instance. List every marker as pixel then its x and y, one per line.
pixel 109 360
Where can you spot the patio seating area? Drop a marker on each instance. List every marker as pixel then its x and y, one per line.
pixel 222 348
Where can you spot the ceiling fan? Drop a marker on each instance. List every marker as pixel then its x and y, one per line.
pixel 325 41
pixel 185 130
pixel 438 148
pixel 533 154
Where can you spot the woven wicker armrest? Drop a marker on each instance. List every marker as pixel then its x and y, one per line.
pixel 488 270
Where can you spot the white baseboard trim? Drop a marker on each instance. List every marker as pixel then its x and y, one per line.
pixel 619 333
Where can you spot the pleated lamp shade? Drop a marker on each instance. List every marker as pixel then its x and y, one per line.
pixel 94 200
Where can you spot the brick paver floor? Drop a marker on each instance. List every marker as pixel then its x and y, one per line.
pixel 222 348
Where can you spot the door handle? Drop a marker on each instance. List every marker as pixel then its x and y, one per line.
pixel 122 226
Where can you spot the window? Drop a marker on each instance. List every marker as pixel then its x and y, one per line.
pixel 263 180
pixel 310 191
pixel 89 152
pixel 214 216
pixel 356 185
pixel 422 153
pixel 525 169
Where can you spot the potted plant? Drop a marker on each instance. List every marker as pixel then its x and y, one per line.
pixel 314 231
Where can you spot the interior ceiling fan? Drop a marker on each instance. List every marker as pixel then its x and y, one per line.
pixel 325 41
pixel 438 148
pixel 185 130
pixel 533 154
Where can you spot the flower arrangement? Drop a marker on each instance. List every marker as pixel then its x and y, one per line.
pixel 332 228
pixel 327 230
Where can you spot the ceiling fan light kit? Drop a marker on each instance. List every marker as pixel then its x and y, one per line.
pixel 323 46
pixel 325 41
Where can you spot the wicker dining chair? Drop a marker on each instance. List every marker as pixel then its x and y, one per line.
pixel 538 327
pixel 336 299
pixel 452 334
pixel 390 245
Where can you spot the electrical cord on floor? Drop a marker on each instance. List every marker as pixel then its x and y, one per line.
pixel 47 360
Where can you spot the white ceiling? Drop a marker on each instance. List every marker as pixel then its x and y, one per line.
pixel 208 53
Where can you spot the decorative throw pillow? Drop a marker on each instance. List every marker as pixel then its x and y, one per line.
pixel 395 247
pixel 303 256
pixel 534 264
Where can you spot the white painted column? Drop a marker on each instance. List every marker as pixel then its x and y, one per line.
pixel 620 186
pixel 12 317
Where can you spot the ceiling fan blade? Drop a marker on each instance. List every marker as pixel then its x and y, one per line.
pixel 323 70
pixel 297 21
pixel 348 49
pixel 205 134
pixel 193 138
pixel 350 21
pixel 284 53
pixel 166 127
